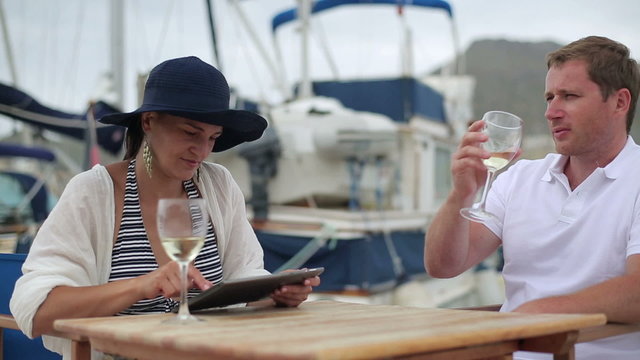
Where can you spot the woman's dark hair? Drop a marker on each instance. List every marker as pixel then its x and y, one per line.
pixel 133 139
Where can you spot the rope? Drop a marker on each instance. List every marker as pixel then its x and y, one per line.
pixel 327 233
pixel 165 27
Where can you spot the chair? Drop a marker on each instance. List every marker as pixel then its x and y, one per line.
pixel 36 198
pixel 562 348
pixel 14 345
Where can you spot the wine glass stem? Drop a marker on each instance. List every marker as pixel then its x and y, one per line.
pixel 487 184
pixel 183 311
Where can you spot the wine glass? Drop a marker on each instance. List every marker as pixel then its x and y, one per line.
pixel 505 133
pixel 182 226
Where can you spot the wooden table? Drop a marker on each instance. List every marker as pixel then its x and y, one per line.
pixel 329 330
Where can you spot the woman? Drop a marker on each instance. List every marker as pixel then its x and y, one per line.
pixel 99 254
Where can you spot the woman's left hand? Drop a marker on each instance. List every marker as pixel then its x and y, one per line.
pixel 294 295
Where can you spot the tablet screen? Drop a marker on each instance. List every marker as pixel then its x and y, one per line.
pixel 248 289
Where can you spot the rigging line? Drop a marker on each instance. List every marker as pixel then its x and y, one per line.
pixel 165 27
pixel 214 36
pixel 254 73
pixel 55 55
pixel 245 55
pixel 321 37
pixel 41 73
pixel 73 68
pixel 7 46
pixel 142 29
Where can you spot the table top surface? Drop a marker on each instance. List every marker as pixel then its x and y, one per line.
pixel 324 330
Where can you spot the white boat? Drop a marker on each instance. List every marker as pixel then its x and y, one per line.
pixel 350 173
pixel 351 185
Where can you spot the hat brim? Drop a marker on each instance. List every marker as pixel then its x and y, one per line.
pixel 239 126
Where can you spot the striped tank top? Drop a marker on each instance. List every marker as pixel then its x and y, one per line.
pixel 132 255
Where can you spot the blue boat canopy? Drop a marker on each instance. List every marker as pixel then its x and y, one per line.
pixel 23 107
pixel 15 150
pixel 398 98
pixel 321 5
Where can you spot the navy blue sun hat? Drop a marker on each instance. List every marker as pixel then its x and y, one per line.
pixel 190 88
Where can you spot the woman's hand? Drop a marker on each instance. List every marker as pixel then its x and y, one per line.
pixel 165 281
pixel 294 295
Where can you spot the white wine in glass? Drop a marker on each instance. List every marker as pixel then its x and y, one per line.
pixel 499 160
pixel 182 248
pixel 505 134
pixel 182 226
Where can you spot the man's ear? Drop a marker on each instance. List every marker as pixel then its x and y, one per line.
pixel 623 100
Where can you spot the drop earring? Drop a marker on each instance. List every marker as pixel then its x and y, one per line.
pixel 147 157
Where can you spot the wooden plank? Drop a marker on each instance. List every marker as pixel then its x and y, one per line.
pixel 555 344
pixel 325 330
pixel 586 334
pixel 607 330
pixel 495 307
pixel 496 351
pixel 569 355
pixel 80 350
pixel 8 322
pixel 145 352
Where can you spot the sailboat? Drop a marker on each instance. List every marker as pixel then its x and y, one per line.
pixel 351 171
pixel 349 184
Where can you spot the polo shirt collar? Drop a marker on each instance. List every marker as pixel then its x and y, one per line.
pixel 613 170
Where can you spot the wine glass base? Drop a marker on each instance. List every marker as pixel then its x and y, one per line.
pixel 477 215
pixel 182 320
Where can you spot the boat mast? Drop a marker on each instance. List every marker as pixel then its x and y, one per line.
pixel 214 38
pixel 273 69
pixel 458 56
pixel 406 44
pixel 304 12
pixel 7 46
pixel 117 52
pixel 27 133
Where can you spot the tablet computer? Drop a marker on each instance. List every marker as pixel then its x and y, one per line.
pixel 248 289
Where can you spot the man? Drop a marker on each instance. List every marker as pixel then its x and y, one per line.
pixel 569 224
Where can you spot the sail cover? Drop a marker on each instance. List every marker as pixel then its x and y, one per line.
pixel 16 150
pixel 19 105
pixel 398 98
pixel 321 5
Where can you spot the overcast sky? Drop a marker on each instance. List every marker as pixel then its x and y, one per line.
pixel 61 48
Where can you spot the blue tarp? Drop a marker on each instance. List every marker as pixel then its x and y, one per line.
pixel 398 98
pixel 40 200
pixel 321 5
pixel 359 264
pixel 12 150
pixel 21 106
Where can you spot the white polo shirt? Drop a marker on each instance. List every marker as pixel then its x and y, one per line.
pixel 557 241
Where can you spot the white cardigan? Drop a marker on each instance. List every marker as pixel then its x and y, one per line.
pixel 73 246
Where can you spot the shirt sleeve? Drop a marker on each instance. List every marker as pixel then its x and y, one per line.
pixel 65 250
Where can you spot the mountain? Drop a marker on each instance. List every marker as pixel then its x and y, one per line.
pixel 510 76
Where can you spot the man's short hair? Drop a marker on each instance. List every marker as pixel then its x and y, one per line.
pixel 608 65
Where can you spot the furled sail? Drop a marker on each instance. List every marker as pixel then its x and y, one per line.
pixel 23 107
